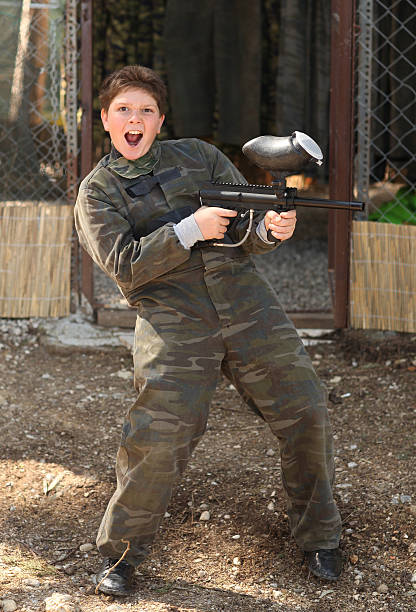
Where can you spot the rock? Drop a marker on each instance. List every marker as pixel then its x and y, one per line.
pixel 413 509
pixel 335 380
pixel 353 559
pixel 125 374
pixel 382 588
pixel 412 548
pixel 205 516
pixel 270 506
pixel 9 605
pixel 31 582
pixel 352 464
pixel 86 547
pixel 236 561
pixel 277 594
pixel 403 499
pixel 59 602
pixel 235 537
pixel 326 592
pixel 271 452
pixel 413 578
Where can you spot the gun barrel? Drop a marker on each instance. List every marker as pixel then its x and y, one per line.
pixel 334 204
pixel 266 201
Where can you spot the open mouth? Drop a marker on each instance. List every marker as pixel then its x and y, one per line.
pixel 133 137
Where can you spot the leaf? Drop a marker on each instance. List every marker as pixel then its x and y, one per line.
pixel 49 486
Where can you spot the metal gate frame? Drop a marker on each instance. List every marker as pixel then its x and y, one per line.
pixel 85 263
pixel 341 149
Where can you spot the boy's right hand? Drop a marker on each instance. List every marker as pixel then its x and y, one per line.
pixel 213 221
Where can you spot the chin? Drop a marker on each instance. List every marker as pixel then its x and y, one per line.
pixel 131 156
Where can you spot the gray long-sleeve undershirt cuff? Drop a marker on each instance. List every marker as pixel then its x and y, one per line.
pixel 188 232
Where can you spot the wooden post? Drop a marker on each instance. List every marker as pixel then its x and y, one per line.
pixel 340 153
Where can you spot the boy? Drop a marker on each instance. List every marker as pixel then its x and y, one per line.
pixel 202 310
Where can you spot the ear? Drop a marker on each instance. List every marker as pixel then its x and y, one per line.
pixel 104 119
pixel 161 120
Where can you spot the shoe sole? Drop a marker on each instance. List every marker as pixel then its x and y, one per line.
pixel 108 591
pixel 318 575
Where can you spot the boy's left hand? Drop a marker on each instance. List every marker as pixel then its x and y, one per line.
pixel 281 225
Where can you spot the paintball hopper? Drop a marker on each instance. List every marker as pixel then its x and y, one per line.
pixel 283 154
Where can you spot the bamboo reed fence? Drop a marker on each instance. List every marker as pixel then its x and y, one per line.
pixel 383 276
pixel 35 259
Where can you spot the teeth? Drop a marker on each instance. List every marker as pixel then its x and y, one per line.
pixel 134 132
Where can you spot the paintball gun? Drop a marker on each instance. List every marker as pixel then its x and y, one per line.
pixel 281 156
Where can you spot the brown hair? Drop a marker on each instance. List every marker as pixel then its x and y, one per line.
pixel 133 76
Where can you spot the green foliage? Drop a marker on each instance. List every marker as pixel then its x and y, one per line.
pixel 401 210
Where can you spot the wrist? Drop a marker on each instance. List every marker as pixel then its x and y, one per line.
pixel 188 232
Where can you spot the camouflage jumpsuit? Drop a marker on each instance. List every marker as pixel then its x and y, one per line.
pixel 201 311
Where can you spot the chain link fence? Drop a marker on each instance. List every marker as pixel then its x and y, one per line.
pixel 39 108
pixel 385 161
pixel 382 279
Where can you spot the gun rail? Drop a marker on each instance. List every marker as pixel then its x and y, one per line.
pixel 239 197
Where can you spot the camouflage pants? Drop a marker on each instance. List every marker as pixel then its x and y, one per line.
pixel 180 351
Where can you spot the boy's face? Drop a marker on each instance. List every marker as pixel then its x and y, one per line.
pixel 133 121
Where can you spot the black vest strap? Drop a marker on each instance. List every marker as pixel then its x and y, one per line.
pixel 147 182
pixel 174 216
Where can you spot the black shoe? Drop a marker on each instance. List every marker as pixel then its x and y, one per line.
pixel 118 581
pixel 326 564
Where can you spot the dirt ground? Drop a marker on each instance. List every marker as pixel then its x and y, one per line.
pixel 60 421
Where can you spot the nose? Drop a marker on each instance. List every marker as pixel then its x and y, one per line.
pixel 134 116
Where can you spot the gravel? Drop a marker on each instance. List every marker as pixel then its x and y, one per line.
pixel 298 271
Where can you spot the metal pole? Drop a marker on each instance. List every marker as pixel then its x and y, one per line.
pixel 340 153
pixel 87 276
pixel 364 69
pixel 71 99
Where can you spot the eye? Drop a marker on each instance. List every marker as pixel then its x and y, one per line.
pixel 149 109
pixel 123 109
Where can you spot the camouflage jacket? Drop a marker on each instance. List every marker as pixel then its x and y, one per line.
pixel 126 211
